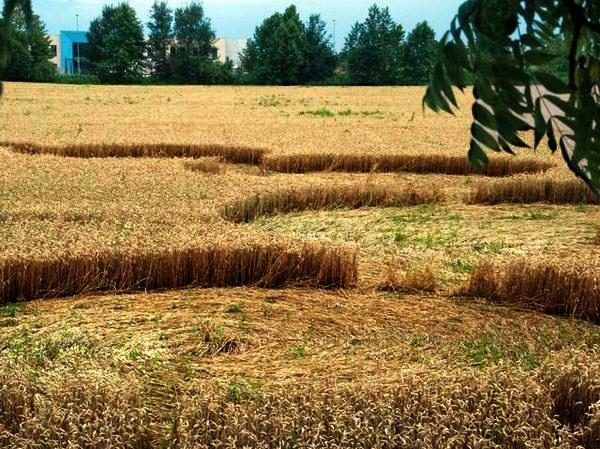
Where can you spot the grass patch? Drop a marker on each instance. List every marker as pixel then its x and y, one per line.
pixel 44 349
pixel 242 388
pixel 322 112
pixel 423 213
pixel 461 265
pixel 273 101
pixel 482 351
pixel 489 247
pixel 444 239
pixel 10 310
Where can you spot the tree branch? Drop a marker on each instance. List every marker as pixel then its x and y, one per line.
pixel 579 21
pixel 573 57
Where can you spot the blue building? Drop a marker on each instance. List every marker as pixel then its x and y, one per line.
pixel 70 48
pixel 70 51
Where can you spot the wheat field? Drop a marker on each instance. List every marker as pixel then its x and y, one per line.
pixel 195 267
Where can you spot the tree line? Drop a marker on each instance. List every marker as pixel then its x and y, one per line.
pixel 180 49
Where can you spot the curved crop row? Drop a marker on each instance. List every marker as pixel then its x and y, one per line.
pixel 327 197
pixel 532 189
pixel 268 266
pixel 420 163
pixel 550 287
pixel 298 163
pixel 229 153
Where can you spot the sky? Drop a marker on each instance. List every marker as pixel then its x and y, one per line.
pixel 238 18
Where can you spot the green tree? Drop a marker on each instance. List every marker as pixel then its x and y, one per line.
pixel 116 45
pixel 276 53
pixel 160 40
pixel 193 54
pixel 502 44
pixel 418 56
pixel 29 51
pixel 320 60
pixel 9 8
pixel 373 50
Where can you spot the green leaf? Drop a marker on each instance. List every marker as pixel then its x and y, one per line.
pixel 477 157
pixel 535 57
pixel 511 121
pixel 551 137
pixel 530 40
pixel 588 178
pixel 455 61
pixel 569 121
pixel 552 83
pixel 528 96
pixel 540 123
pixel 484 116
pixel 507 70
pixel 484 137
pixel 505 146
pixel 510 135
pixel 430 100
pixel 435 99
pixel 483 91
pixel 441 85
pixel 566 107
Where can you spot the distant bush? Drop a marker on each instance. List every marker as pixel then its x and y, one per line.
pixel 77 79
pixel 339 79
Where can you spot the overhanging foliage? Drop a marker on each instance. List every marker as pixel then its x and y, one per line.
pixel 502 45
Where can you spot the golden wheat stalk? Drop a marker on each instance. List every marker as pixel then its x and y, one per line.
pixel 421 163
pixel 351 196
pixel 268 266
pixel 231 153
pixel 532 189
pixel 548 286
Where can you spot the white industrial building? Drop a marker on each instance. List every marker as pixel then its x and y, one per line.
pixel 230 48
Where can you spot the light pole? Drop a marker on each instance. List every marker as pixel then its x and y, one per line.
pixel 78 55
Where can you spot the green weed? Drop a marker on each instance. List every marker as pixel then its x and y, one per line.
pixel 242 388
pixel 400 237
pixel 322 112
pixel 234 308
pixel 10 310
pixel 482 352
pixel 298 352
pixel 272 101
pixel 461 265
pixel 487 247
pixel 345 113
pixel 430 240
